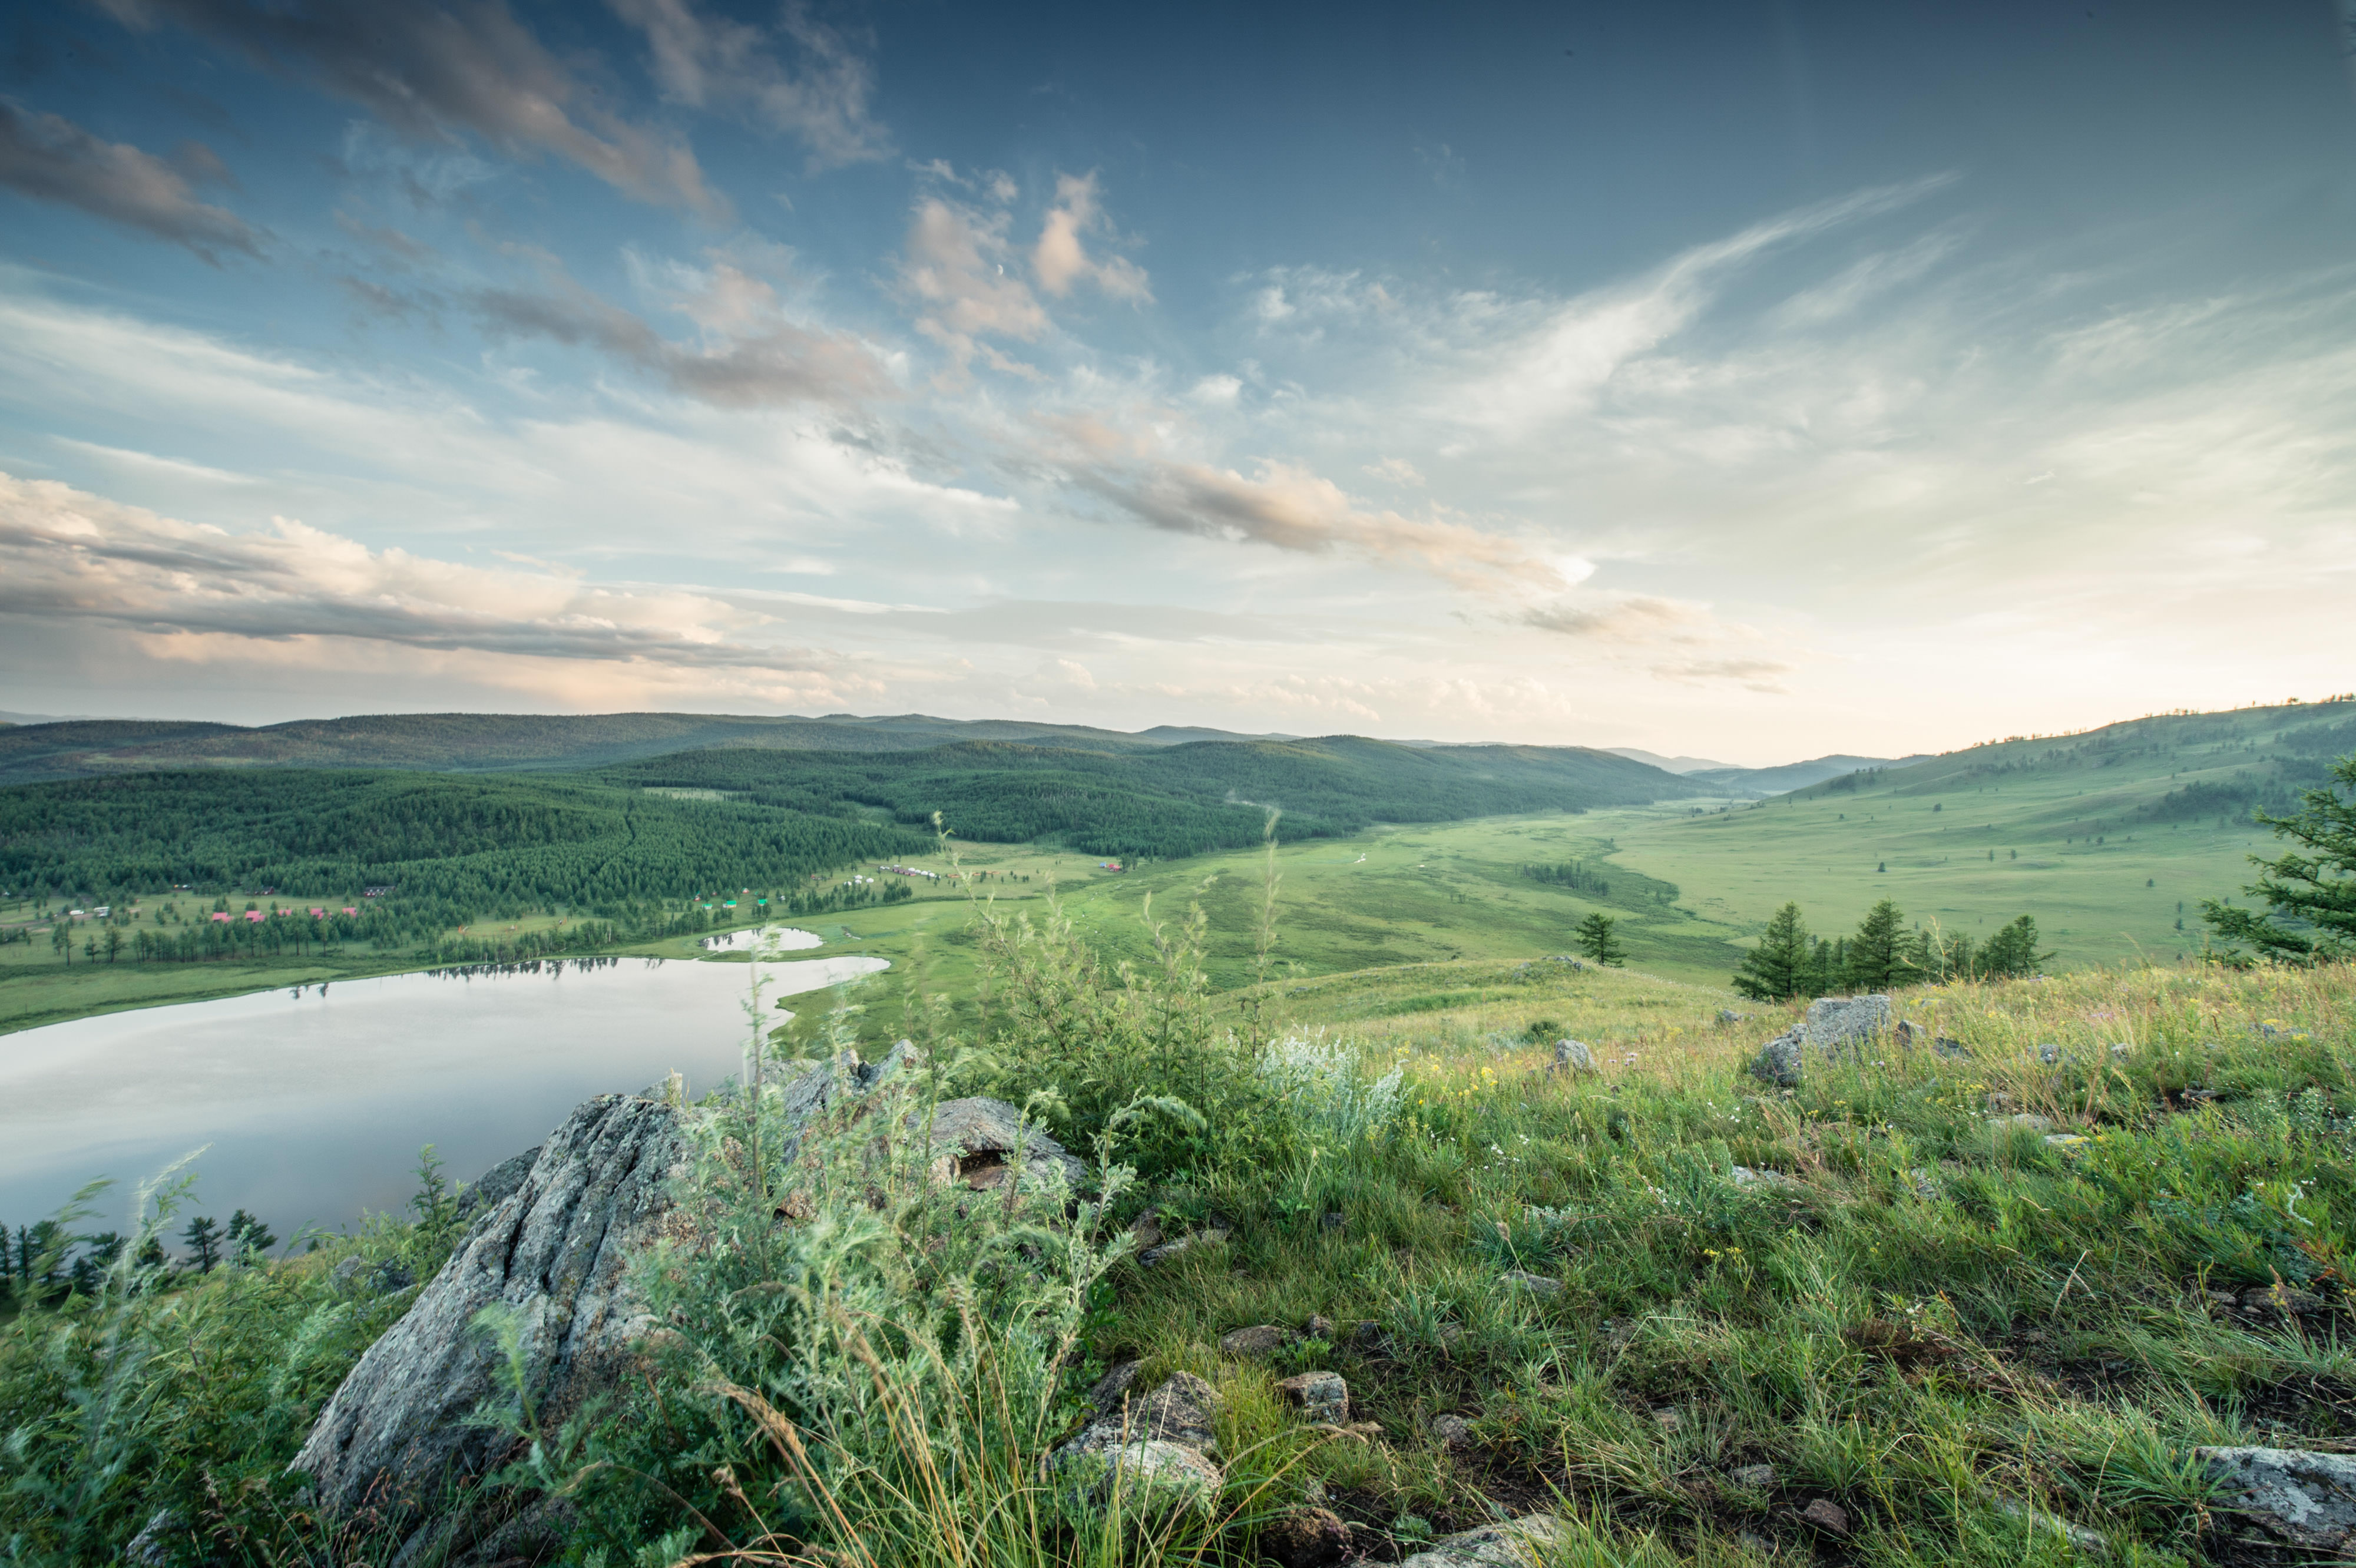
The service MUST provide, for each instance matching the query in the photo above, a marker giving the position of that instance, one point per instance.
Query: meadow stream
(314, 1101)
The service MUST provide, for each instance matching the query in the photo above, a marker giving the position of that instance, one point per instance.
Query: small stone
(2221, 1300)
(1827, 1516)
(2065, 1139)
(1148, 1231)
(2078, 1535)
(2049, 1054)
(1306, 1538)
(1758, 1545)
(1759, 1475)
(1319, 1327)
(1574, 1056)
(1949, 1047)
(2288, 1300)
(1778, 1061)
(1744, 1176)
(1669, 1420)
(1367, 1337)
(153, 1546)
(1153, 1256)
(1319, 1396)
(2023, 1122)
(1729, 1015)
(1334, 1221)
(1926, 1185)
(1452, 1430)
(1259, 1339)
(1538, 1286)
(1911, 1034)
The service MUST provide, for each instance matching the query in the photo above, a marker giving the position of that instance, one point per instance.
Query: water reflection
(314, 1099)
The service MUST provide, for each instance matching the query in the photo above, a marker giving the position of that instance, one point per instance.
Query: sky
(1743, 381)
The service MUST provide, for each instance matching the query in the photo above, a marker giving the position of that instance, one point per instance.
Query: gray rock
(2049, 1054)
(1744, 1176)
(1954, 1049)
(1153, 1476)
(1759, 1475)
(498, 1184)
(1827, 1516)
(1113, 1387)
(1318, 1396)
(157, 1541)
(1836, 1025)
(1452, 1430)
(1516, 1543)
(1259, 1339)
(2289, 1301)
(1778, 1061)
(974, 1140)
(1183, 1411)
(2024, 1121)
(1912, 1033)
(2305, 1499)
(1153, 1256)
(1318, 1327)
(554, 1252)
(1574, 1056)
(1539, 1286)
(2088, 1540)
(1729, 1015)
(1155, 1450)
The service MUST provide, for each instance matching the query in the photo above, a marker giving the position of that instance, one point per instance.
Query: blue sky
(1745, 380)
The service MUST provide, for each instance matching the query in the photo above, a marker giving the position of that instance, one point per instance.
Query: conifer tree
(1878, 956)
(1780, 967)
(2309, 892)
(1594, 939)
(204, 1239)
(2012, 951)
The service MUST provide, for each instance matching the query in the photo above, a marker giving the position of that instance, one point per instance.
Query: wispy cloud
(51, 158)
(821, 95)
(1060, 259)
(432, 74)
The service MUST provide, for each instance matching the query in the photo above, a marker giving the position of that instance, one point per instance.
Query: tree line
(1790, 962)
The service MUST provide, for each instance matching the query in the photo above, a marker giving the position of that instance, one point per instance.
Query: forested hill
(1172, 800)
(2160, 770)
(499, 742)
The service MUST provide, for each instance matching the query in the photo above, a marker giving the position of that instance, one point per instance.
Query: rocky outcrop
(974, 1140)
(553, 1254)
(499, 1183)
(1516, 1543)
(2302, 1499)
(1156, 1451)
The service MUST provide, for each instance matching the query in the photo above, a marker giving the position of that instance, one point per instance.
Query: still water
(314, 1101)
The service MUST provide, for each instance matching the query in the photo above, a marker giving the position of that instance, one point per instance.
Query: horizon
(1832, 381)
(1652, 757)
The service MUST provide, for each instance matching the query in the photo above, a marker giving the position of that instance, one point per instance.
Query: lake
(314, 1101)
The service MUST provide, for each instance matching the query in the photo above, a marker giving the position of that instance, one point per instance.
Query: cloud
(954, 266)
(752, 354)
(1059, 259)
(52, 159)
(1756, 674)
(432, 72)
(707, 61)
(66, 555)
(1616, 617)
(1292, 509)
(1396, 471)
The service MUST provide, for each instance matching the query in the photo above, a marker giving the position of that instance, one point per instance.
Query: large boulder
(2302, 1499)
(1778, 1061)
(1156, 1451)
(1838, 1023)
(554, 1254)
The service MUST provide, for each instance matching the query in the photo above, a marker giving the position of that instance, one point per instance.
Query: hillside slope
(2109, 838)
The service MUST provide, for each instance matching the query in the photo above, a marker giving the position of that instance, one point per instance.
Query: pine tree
(1878, 956)
(1779, 968)
(2012, 951)
(2310, 892)
(204, 1239)
(1594, 939)
(248, 1234)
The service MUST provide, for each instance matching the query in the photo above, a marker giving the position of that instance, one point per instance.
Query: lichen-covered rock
(1575, 1057)
(1516, 1543)
(1153, 1256)
(1259, 1339)
(1778, 1061)
(1538, 1286)
(1318, 1396)
(1155, 1451)
(2304, 1499)
(973, 1142)
(553, 1254)
(1183, 1409)
(499, 1183)
(1838, 1023)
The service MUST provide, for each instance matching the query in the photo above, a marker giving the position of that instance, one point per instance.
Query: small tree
(1878, 956)
(204, 1239)
(2310, 892)
(2012, 951)
(1594, 939)
(1778, 969)
(248, 1235)
(61, 939)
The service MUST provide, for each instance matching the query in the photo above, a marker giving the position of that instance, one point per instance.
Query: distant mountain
(504, 742)
(1792, 775)
(1671, 764)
